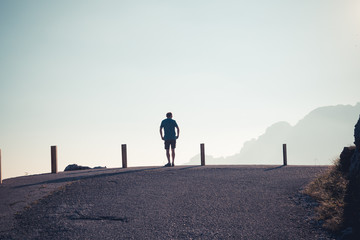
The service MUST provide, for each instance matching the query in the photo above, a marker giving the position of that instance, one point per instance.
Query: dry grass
(329, 191)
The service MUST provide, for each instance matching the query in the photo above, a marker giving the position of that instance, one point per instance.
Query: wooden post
(54, 164)
(0, 169)
(202, 154)
(124, 155)
(284, 154)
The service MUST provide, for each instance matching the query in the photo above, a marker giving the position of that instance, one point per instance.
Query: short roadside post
(284, 154)
(202, 154)
(54, 164)
(124, 155)
(0, 169)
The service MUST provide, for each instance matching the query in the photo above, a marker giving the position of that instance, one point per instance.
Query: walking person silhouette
(170, 137)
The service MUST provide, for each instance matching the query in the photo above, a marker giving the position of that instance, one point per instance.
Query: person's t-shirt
(169, 128)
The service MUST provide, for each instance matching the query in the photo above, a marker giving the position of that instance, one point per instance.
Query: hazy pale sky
(89, 76)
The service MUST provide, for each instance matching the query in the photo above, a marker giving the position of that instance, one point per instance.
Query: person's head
(169, 115)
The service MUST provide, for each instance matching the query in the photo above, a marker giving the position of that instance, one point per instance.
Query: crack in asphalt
(100, 218)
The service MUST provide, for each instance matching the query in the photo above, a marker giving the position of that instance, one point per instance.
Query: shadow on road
(274, 168)
(101, 175)
(71, 179)
(188, 167)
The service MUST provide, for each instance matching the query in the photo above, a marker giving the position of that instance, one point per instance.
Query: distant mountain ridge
(317, 139)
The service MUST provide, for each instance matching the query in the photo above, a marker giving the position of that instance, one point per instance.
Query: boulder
(352, 197)
(74, 167)
(345, 159)
(357, 134)
(99, 167)
(355, 160)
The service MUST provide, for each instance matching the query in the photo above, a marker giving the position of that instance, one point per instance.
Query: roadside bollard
(284, 155)
(202, 154)
(54, 159)
(124, 155)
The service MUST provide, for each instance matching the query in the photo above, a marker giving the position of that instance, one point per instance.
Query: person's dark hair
(169, 115)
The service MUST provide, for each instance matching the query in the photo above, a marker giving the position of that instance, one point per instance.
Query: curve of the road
(212, 202)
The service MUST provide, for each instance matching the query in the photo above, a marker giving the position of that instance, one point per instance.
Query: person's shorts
(169, 143)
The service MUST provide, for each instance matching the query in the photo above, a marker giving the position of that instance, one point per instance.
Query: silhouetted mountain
(316, 139)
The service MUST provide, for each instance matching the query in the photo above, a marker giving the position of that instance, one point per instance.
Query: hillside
(317, 139)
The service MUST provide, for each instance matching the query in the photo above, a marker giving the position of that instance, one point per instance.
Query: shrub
(329, 190)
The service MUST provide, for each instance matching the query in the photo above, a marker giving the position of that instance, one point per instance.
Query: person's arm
(161, 133)
(178, 132)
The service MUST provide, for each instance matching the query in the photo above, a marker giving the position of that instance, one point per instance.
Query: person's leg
(168, 155)
(167, 148)
(173, 155)
(173, 146)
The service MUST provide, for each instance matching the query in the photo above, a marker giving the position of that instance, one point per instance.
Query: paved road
(212, 202)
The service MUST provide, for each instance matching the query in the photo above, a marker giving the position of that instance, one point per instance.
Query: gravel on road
(184, 202)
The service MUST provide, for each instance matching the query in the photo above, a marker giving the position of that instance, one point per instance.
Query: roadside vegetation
(329, 191)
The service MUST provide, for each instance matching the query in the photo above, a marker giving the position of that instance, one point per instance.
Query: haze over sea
(91, 75)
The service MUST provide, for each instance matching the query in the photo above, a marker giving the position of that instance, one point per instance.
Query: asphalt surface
(212, 202)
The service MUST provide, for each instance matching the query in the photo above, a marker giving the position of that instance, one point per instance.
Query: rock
(357, 135)
(74, 167)
(98, 167)
(355, 165)
(355, 160)
(352, 197)
(345, 159)
(347, 234)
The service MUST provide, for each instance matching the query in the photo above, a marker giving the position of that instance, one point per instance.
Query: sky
(91, 75)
